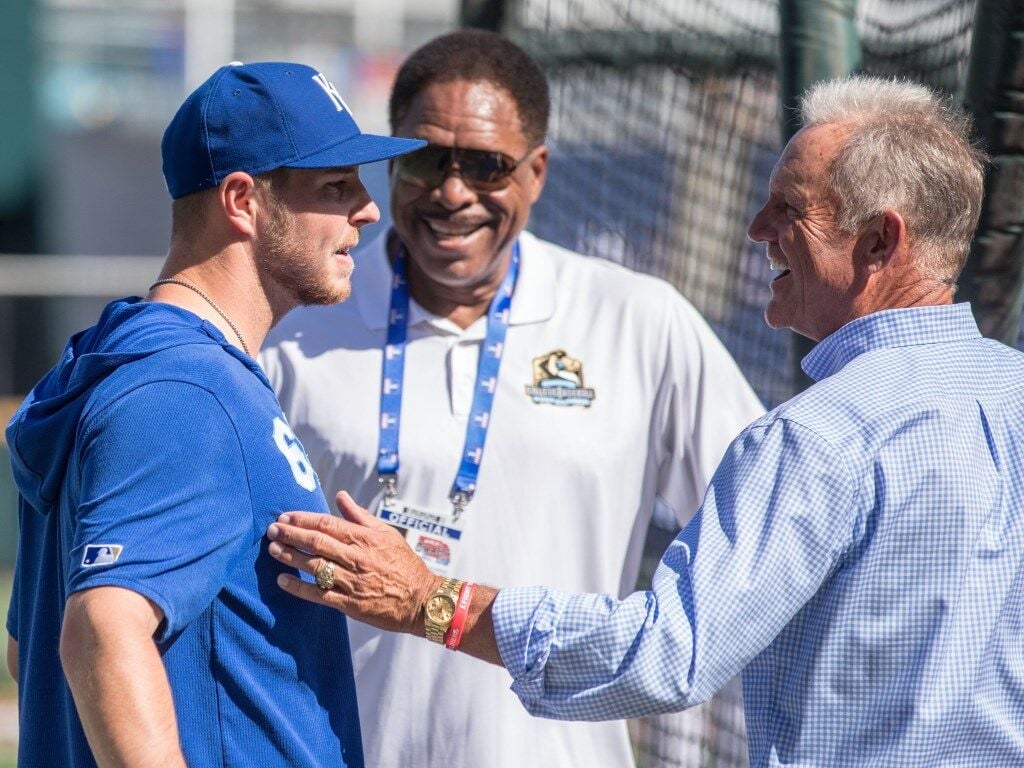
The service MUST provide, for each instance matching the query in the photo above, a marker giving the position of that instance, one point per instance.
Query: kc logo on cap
(332, 93)
(259, 117)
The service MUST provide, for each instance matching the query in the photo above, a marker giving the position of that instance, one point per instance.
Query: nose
(759, 229)
(453, 193)
(370, 214)
(364, 210)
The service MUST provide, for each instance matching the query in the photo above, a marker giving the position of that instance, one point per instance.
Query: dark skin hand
(378, 579)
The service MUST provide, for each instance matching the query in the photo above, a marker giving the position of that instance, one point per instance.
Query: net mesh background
(664, 131)
(665, 128)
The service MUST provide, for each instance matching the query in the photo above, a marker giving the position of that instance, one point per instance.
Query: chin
(323, 294)
(451, 263)
(457, 274)
(771, 317)
(341, 292)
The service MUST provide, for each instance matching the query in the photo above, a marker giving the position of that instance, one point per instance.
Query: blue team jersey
(153, 457)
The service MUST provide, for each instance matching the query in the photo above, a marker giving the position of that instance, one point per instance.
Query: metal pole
(993, 279)
(483, 14)
(817, 41)
(378, 25)
(209, 38)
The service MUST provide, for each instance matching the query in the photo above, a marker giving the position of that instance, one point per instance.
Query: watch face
(440, 609)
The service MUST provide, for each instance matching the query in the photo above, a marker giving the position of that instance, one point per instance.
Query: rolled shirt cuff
(525, 621)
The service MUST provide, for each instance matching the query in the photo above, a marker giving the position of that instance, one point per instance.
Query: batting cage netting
(665, 127)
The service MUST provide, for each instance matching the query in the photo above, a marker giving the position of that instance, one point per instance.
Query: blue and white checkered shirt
(858, 555)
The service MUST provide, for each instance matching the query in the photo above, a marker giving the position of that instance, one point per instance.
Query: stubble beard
(295, 266)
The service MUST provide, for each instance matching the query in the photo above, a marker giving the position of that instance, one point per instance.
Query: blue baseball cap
(258, 117)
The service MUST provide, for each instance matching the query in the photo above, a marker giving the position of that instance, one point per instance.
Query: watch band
(440, 609)
(453, 636)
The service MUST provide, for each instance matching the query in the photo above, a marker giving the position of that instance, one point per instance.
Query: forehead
(806, 159)
(466, 114)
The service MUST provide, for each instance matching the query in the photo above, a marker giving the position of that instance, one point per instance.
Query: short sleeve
(165, 508)
(704, 402)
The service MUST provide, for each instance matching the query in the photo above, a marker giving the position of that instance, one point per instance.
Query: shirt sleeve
(776, 521)
(703, 403)
(165, 508)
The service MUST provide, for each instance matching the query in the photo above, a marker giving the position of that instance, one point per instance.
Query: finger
(322, 540)
(314, 520)
(310, 592)
(296, 559)
(352, 511)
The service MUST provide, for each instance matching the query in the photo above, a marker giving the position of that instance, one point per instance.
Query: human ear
(881, 241)
(538, 165)
(238, 200)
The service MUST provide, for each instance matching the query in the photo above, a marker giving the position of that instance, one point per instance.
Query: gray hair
(910, 151)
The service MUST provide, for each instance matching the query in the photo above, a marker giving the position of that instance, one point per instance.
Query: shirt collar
(533, 302)
(907, 327)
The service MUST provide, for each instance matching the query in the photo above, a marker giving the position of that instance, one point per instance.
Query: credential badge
(558, 380)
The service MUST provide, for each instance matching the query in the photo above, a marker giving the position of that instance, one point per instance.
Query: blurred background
(668, 116)
(88, 87)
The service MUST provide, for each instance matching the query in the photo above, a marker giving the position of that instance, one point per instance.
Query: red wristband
(453, 636)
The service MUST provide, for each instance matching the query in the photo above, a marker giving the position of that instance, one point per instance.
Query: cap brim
(361, 149)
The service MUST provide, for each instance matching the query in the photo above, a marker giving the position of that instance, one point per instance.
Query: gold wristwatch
(440, 608)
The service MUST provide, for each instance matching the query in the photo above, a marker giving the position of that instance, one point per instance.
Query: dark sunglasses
(482, 171)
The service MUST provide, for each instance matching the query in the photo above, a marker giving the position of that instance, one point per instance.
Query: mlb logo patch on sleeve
(101, 554)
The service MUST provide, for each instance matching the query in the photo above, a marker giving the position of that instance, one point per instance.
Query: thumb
(352, 511)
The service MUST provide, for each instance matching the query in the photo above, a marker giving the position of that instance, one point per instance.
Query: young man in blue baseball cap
(153, 456)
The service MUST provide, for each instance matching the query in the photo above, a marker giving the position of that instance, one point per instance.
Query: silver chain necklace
(211, 302)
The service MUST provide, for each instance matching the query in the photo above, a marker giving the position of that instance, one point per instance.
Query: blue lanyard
(393, 373)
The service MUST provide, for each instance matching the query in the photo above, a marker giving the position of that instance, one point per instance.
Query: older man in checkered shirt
(859, 551)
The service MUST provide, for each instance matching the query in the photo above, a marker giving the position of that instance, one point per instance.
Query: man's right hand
(379, 580)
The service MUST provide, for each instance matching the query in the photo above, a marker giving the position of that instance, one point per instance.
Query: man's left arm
(157, 529)
(118, 680)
